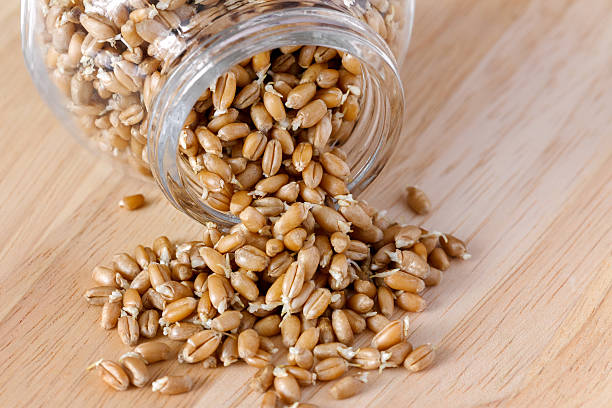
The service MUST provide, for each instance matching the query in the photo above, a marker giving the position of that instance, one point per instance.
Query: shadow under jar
(126, 77)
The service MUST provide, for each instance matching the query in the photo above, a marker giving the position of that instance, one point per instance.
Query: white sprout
(257, 193)
(280, 372)
(261, 75)
(115, 296)
(132, 311)
(159, 384)
(436, 234)
(270, 88)
(337, 275)
(395, 256)
(296, 123)
(405, 325)
(129, 354)
(345, 200)
(183, 247)
(385, 274)
(344, 226)
(354, 90)
(286, 306)
(256, 307)
(348, 353)
(342, 100)
(94, 364)
(284, 123)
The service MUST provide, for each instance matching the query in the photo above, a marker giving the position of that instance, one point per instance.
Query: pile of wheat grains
(286, 293)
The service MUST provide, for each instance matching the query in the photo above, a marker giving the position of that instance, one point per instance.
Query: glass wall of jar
(124, 75)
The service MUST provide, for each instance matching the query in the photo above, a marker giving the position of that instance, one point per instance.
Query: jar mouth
(382, 96)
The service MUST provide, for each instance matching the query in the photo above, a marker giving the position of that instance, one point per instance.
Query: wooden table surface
(509, 130)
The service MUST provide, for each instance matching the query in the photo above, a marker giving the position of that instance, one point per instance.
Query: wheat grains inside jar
(182, 89)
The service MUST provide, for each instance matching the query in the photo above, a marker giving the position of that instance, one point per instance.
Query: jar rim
(216, 54)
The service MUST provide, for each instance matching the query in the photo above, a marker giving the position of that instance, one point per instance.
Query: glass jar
(123, 75)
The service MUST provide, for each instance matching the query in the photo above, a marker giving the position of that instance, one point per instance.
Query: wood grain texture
(507, 129)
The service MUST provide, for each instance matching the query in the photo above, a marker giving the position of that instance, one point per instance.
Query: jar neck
(371, 142)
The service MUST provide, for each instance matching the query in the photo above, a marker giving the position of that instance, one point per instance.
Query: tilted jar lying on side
(123, 75)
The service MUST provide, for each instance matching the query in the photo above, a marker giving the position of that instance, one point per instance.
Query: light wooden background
(509, 130)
